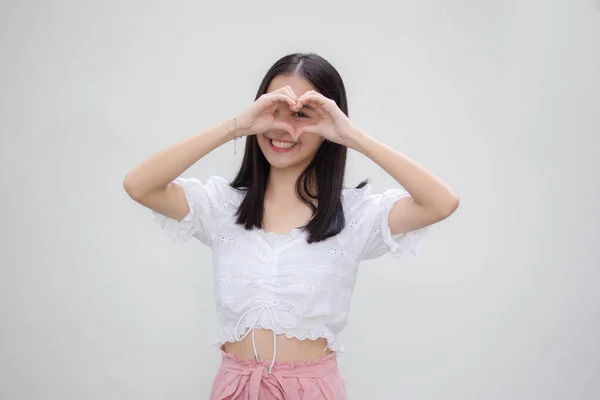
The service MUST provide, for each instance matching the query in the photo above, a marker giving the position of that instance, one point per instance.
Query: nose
(284, 114)
(283, 135)
(285, 124)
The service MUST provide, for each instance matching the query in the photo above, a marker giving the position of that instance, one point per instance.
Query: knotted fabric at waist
(281, 380)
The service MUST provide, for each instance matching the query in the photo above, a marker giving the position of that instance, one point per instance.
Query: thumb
(306, 129)
(284, 126)
(297, 133)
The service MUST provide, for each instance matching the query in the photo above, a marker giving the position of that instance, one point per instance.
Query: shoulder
(354, 197)
(363, 199)
(215, 188)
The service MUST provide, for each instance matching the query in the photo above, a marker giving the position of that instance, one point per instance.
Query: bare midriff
(288, 349)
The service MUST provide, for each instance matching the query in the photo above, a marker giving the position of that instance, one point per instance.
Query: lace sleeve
(368, 216)
(206, 202)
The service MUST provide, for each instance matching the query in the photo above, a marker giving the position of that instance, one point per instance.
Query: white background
(499, 98)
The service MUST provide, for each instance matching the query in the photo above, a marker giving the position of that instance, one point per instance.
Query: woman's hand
(261, 115)
(332, 124)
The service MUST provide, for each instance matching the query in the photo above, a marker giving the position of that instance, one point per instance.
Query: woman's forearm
(156, 172)
(425, 188)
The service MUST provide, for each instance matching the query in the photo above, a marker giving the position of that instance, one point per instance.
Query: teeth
(282, 145)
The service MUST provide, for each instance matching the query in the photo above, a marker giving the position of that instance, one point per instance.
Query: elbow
(131, 187)
(443, 209)
(450, 206)
(455, 203)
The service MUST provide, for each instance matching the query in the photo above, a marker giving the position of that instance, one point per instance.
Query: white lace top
(280, 282)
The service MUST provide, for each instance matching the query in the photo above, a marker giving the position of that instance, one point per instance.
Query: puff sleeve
(210, 202)
(368, 215)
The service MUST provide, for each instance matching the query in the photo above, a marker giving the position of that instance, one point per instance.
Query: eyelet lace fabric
(280, 282)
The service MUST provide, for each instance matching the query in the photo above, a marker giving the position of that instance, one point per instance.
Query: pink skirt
(248, 380)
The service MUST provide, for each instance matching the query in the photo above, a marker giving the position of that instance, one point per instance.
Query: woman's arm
(431, 199)
(150, 182)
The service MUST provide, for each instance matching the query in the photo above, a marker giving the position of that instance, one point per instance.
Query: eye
(301, 115)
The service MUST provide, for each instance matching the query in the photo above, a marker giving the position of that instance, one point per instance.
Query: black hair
(324, 174)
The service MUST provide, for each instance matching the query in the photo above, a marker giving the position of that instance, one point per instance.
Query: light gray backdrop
(499, 98)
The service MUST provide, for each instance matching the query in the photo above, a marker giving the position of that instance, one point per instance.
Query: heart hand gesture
(261, 116)
(332, 123)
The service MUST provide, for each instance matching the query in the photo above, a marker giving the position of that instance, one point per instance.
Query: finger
(288, 90)
(313, 97)
(320, 101)
(273, 98)
(297, 134)
(311, 93)
(306, 129)
(286, 127)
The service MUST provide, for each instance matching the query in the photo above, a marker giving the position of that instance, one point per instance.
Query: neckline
(293, 232)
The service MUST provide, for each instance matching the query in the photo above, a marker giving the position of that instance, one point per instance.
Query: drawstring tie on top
(271, 310)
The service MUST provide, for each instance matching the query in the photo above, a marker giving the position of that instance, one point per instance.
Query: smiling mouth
(281, 145)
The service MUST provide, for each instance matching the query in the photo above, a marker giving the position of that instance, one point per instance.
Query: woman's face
(278, 146)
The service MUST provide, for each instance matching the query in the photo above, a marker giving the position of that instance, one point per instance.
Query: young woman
(286, 236)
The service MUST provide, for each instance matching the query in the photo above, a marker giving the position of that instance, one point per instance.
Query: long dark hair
(325, 173)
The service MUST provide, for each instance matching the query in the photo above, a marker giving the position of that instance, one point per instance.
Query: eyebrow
(310, 108)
